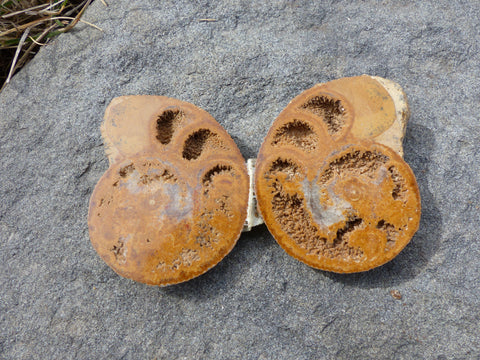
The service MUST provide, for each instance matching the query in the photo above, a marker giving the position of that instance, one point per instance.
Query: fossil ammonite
(330, 191)
(173, 202)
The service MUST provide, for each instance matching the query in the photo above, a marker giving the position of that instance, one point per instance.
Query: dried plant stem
(24, 26)
(77, 18)
(23, 11)
(19, 47)
(71, 18)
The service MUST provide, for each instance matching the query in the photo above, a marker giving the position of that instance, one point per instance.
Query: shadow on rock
(419, 145)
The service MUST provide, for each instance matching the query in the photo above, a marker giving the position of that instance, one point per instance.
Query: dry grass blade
(53, 6)
(12, 69)
(29, 10)
(77, 18)
(25, 23)
(26, 54)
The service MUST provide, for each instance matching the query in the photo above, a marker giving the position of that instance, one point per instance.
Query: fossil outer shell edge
(168, 211)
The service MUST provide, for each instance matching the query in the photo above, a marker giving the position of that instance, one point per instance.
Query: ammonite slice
(352, 211)
(174, 200)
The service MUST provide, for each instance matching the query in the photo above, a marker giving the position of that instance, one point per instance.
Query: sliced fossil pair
(330, 180)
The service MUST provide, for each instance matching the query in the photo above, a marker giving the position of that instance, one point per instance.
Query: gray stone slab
(59, 300)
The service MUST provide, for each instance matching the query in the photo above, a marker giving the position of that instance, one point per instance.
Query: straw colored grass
(26, 25)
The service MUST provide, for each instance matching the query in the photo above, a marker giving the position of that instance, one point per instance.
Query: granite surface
(59, 300)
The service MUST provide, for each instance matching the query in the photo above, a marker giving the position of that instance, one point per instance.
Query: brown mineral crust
(173, 202)
(350, 212)
(333, 111)
(298, 132)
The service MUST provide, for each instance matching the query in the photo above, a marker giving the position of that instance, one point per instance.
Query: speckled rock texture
(58, 299)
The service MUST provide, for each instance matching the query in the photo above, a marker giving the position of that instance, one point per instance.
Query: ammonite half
(331, 195)
(173, 202)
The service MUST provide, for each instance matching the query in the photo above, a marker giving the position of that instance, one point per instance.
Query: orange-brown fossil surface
(330, 180)
(173, 202)
(378, 106)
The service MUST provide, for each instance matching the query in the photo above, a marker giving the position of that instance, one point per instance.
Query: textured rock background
(59, 300)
